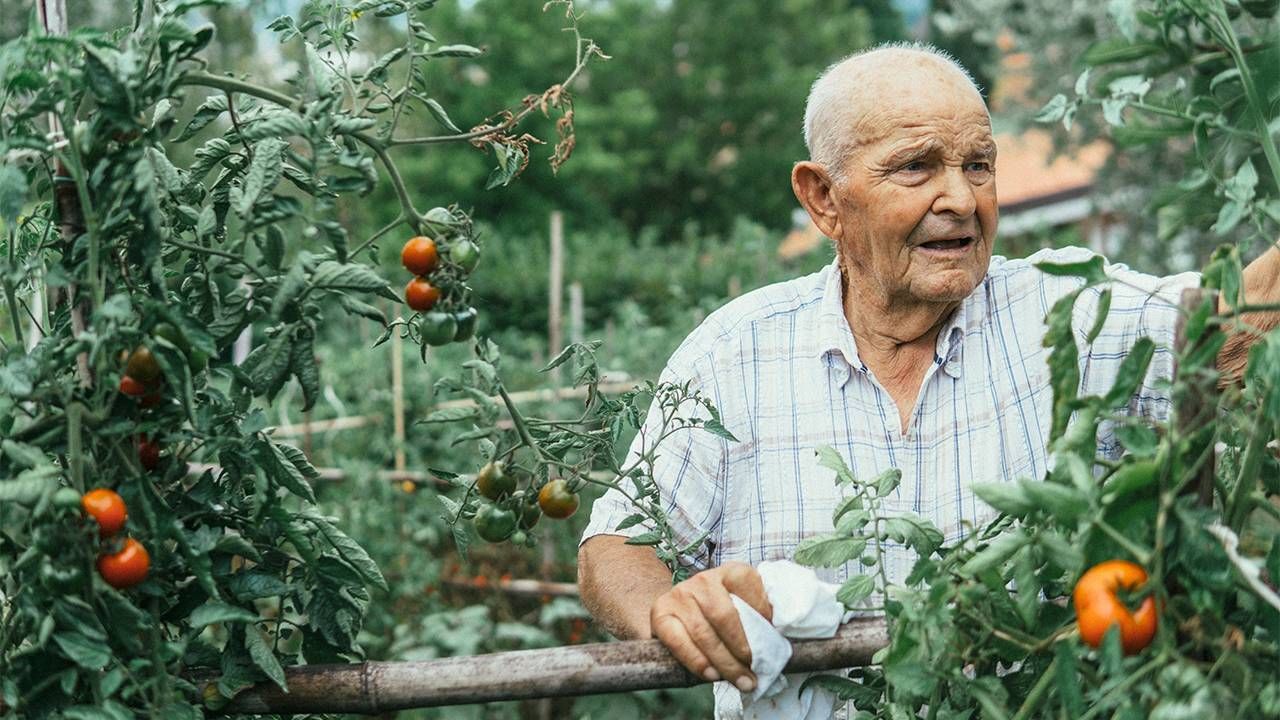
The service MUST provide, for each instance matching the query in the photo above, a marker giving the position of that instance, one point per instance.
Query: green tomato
(466, 324)
(530, 516)
(465, 254)
(494, 524)
(438, 328)
(196, 359)
(66, 499)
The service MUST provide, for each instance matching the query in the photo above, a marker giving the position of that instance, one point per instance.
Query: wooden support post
(397, 398)
(555, 339)
(575, 312)
(378, 687)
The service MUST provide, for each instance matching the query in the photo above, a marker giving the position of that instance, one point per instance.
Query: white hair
(828, 112)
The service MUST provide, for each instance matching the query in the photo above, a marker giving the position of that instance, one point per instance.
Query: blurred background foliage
(676, 198)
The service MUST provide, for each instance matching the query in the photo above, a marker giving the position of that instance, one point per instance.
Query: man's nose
(955, 194)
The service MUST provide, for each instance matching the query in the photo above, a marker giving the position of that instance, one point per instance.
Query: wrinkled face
(918, 205)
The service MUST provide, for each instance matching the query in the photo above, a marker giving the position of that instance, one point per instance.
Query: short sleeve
(689, 471)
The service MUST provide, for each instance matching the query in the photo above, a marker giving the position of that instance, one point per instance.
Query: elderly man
(915, 349)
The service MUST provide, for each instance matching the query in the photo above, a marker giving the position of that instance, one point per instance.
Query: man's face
(918, 206)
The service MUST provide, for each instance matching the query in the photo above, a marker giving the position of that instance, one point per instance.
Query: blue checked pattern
(781, 366)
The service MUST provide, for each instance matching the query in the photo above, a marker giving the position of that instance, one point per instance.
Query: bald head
(847, 99)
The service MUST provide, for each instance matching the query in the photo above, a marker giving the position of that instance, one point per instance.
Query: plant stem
(1238, 504)
(1257, 103)
(1141, 554)
(1038, 692)
(385, 229)
(218, 253)
(1123, 687)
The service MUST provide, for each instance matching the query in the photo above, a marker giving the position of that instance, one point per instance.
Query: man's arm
(628, 590)
(1261, 287)
(619, 583)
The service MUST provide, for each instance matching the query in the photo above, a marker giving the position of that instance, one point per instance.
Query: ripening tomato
(127, 567)
(419, 255)
(132, 387)
(143, 367)
(556, 501)
(493, 481)
(421, 295)
(107, 507)
(1098, 606)
(148, 453)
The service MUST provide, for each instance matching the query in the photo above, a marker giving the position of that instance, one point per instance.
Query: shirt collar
(835, 338)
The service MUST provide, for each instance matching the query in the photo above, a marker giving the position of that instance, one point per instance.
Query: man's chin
(948, 284)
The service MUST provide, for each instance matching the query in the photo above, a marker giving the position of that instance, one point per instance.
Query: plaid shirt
(781, 366)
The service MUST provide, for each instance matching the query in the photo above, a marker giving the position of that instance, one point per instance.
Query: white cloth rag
(804, 607)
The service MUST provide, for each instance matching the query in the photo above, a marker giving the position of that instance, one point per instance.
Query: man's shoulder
(779, 302)
(1003, 269)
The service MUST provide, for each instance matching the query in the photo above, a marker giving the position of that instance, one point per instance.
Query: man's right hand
(699, 624)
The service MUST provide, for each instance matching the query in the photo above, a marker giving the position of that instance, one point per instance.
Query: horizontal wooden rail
(546, 395)
(592, 669)
(322, 426)
(516, 586)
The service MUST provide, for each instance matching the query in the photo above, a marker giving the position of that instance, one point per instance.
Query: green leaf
(264, 173)
(465, 51)
(1067, 679)
(331, 275)
(1118, 50)
(917, 532)
(1008, 498)
(442, 117)
(853, 502)
(714, 427)
(855, 590)
(995, 553)
(450, 414)
(302, 362)
(829, 550)
(254, 584)
(653, 537)
(631, 521)
(887, 481)
(1064, 503)
(86, 652)
(1090, 270)
(263, 657)
(348, 549)
(25, 455)
(13, 193)
(832, 460)
(283, 471)
(1130, 374)
(1053, 110)
(215, 612)
(209, 110)
(1104, 307)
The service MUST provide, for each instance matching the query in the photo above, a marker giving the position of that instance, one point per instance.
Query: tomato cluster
(511, 512)
(144, 379)
(435, 290)
(129, 564)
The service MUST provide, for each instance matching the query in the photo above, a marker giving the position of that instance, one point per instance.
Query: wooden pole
(555, 339)
(397, 398)
(378, 687)
(575, 312)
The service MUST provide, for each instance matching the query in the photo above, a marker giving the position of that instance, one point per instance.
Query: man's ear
(813, 188)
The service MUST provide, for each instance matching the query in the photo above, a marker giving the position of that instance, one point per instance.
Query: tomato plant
(155, 210)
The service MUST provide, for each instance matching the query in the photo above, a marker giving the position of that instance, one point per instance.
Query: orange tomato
(131, 387)
(556, 501)
(127, 567)
(1098, 606)
(107, 507)
(419, 255)
(420, 294)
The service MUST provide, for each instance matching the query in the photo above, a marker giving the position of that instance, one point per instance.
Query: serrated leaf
(332, 275)
(630, 521)
(263, 657)
(653, 537)
(442, 117)
(1008, 498)
(832, 460)
(209, 110)
(995, 553)
(917, 532)
(450, 414)
(215, 612)
(264, 172)
(1131, 372)
(348, 549)
(855, 590)
(830, 550)
(86, 652)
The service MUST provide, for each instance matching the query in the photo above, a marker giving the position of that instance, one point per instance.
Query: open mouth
(950, 244)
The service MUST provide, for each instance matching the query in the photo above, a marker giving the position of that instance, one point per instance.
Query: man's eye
(914, 166)
(980, 167)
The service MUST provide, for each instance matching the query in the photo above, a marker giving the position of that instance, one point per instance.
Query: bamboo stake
(378, 687)
(517, 586)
